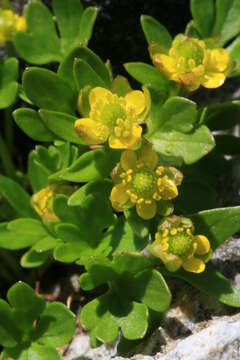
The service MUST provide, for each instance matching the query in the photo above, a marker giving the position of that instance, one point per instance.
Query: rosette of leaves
(30, 329)
(134, 289)
(41, 44)
(28, 230)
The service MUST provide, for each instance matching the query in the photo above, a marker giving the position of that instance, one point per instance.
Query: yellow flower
(139, 181)
(43, 200)
(176, 245)
(114, 118)
(10, 23)
(192, 62)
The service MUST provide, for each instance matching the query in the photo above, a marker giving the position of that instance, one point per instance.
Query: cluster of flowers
(139, 180)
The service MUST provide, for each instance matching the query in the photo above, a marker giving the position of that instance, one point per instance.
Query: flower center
(111, 112)
(188, 53)
(179, 244)
(143, 182)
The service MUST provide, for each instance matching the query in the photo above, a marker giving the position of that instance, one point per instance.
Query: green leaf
(45, 244)
(27, 305)
(32, 259)
(40, 43)
(147, 75)
(121, 86)
(68, 14)
(156, 32)
(17, 197)
(86, 25)
(31, 123)
(133, 287)
(221, 116)
(190, 147)
(64, 211)
(234, 51)
(82, 242)
(8, 82)
(124, 238)
(56, 325)
(150, 288)
(203, 12)
(135, 324)
(9, 334)
(85, 75)
(139, 226)
(92, 187)
(39, 352)
(93, 165)
(227, 20)
(212, 283)
(217, 224)
(21, 233)
(65, 70)
(48, 91)
(177, 113)
(61, 125)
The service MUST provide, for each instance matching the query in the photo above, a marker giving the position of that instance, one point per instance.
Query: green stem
(6, 159)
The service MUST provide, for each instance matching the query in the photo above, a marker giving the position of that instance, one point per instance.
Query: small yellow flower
(139, 181)
(192, 62)
(10, 23)
(114, 118)
(176, 245)
(43, 200)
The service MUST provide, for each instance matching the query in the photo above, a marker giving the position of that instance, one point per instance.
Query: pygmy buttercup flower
(192, 62)
(43, 200)
(10, 23)
(176, 245)
(140, 182)
(114, 118)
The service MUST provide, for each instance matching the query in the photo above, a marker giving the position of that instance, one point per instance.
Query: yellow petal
(128, 159)
(119, 197)
(168, 190)
(164, 63)
(91, 132)
(148, 156)
(21, 24)
(131, 142)
(219, 59)
(203, 245)
(213, 80)
(193, 265)
(147, 211)
(99, 93)
(171, 262)
(136, 100)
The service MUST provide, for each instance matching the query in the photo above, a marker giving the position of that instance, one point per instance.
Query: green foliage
(41, 43)
(8, 82)
(217, 224)
(174, 131)
(55, 325)
(62, 207)
(133, 287)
